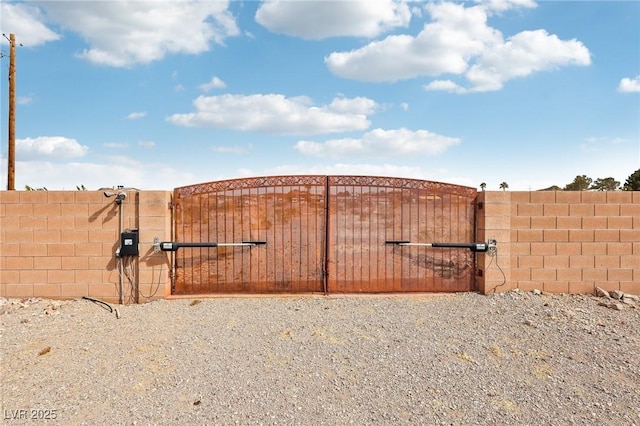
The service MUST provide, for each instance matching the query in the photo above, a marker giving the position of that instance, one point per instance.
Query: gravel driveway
(511, 359)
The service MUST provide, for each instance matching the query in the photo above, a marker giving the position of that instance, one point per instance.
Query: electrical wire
(127, 270)
(493, 254)
(121, 276)
(154, 292)
(132, 279)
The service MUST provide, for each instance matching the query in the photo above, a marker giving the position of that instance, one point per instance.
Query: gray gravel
(517, 358)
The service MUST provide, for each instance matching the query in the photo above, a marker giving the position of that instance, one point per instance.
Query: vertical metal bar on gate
(325, 244)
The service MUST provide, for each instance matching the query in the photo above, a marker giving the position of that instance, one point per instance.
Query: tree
(504, 186)
(580, 183)
(633, 182)
(606, 184)
(552, 188)
(483, 186)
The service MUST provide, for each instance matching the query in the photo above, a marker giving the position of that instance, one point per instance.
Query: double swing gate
(325, 234)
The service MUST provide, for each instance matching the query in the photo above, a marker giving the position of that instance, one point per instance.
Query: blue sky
(161, 94)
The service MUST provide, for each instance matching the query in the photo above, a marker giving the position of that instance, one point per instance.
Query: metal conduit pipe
(120, 265)
(120, 197)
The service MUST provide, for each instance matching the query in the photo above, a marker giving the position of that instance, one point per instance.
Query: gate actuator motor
(474, 247)
(174, 246)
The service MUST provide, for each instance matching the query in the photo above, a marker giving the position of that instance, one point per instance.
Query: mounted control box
(129, 243)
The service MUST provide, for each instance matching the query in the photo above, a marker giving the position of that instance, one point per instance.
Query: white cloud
(629, 85)
(595, 144)
(49, 147)
(123, 33)
(443, 46)
(353, 169)
(215, 83)
(416, 11)
(147, 144)
(277, 114)
(115, 145)
(504, 5)
(357, 105)
(123, 171)
(236, 149)
(179, 88)
(404, 106)
(317, 20)
(523, 54)
(446, 85)
(26, 22)
(380, 143)
(459, 41)
(136, 115)
(24, 100)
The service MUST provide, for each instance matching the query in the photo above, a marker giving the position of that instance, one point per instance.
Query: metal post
(121, 261)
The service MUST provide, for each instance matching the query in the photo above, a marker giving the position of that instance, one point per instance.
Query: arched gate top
(317, 180)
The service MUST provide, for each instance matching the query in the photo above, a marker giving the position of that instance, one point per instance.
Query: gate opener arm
(174, 246)
(474, 247)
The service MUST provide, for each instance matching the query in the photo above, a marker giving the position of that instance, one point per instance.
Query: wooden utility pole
(11, 151)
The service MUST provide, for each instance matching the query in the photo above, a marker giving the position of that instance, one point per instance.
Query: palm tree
(504, 186)
(483, 186)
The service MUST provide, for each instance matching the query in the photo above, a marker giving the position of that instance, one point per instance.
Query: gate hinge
(172, 280)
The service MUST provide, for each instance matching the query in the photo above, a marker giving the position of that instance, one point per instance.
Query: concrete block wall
(154, 220)
(493, 221)
(62, 244)
(561, 241)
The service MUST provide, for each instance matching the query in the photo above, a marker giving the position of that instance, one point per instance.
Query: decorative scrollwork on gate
(402, 183)
(255, 182)
(458, 265)
(317, 180)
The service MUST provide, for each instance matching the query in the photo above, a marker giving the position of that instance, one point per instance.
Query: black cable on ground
(99, 302)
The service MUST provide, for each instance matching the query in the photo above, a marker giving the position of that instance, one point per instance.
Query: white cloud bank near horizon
(381, 144)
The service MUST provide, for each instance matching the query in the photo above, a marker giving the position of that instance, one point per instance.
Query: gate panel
(364, 212)
(287, 212)
(313, 224)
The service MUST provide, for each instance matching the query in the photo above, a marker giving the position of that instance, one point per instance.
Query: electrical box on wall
(129, 243)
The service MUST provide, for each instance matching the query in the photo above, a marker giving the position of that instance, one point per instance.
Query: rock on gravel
(511, 359)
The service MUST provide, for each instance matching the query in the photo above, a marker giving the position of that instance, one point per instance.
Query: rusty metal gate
(322, 234)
